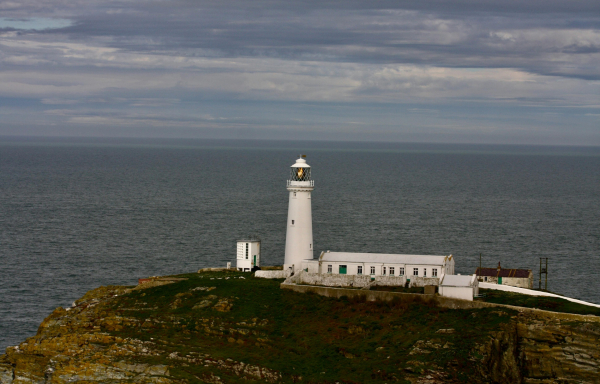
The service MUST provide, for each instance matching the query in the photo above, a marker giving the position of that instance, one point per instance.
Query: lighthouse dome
(300, 163)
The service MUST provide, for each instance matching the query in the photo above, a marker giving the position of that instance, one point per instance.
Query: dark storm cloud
(533, 36)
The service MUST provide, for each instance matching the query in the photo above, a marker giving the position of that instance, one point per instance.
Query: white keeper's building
(416, 269)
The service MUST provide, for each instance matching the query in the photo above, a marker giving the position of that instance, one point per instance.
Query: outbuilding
(248, 254)
(459, 287)
(522, 278)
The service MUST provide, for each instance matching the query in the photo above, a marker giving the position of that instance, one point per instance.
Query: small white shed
(248, 254)
(459, 287)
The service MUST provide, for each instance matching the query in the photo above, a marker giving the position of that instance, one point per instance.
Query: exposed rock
(6, 373)
(207, 289)
(356, 330)
(224, 305)
(560, 350)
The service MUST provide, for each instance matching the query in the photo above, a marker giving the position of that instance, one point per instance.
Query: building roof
(383, 258)
(300, 163)
(249, 240)
(504, 272)
(457, 281)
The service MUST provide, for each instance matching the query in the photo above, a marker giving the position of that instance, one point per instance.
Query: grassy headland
(236, 316)
(228, 327)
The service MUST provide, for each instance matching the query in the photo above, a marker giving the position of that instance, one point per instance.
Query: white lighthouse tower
(299, 238)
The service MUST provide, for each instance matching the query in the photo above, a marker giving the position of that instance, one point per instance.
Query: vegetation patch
(230, 327)
(236, 318)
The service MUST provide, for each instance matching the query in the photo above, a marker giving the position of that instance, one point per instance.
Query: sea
(78, 213)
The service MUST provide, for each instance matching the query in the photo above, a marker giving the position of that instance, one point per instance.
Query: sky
(462, 71)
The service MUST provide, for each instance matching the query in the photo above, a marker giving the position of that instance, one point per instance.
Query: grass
(305, 335)
(541, 302)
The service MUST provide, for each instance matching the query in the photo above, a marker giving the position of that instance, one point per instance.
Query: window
(329, 268)
(310, 246)
(424, 272)
(485, 278)
(246, 257)
(434, 272)
(359, 270)
(392, 271)
(300, 174)
(415, 271)
(292, 222)
(383, 271)
(401, 271)
(372, 270)
(247, 250)
(294, 194)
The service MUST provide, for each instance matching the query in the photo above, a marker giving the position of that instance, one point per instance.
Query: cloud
(556, 38)
(35, 23)
(157, 62)
(58, 101)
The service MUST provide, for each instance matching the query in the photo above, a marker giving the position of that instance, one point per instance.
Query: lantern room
(300, 173)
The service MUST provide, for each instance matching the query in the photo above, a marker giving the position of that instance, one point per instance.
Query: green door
(343, 269)
(254, 261)
(500, 280)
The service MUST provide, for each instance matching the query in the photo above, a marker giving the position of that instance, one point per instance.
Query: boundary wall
(271, 274)
(348, 281)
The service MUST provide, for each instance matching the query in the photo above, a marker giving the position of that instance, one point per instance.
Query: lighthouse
(299, 238)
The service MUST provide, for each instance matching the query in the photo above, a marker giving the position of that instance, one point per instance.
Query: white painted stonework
(419, 270)
(248, 254)
(272, 274)
(345, 281)
(459, 287)
(299, 236)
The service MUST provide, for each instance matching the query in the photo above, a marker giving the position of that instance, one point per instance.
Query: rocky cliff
(227, 327)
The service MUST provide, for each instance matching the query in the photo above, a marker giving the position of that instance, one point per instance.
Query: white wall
(521, 282)
(423, 281)
(464, 293)
(352, 269)
(245, 260)
(271, 274)
(311, 266)
(337, 280)
(299, 238)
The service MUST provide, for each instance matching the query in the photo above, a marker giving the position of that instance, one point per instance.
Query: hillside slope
(228, 327)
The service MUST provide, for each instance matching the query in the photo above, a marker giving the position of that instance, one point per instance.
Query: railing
(309, 183)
